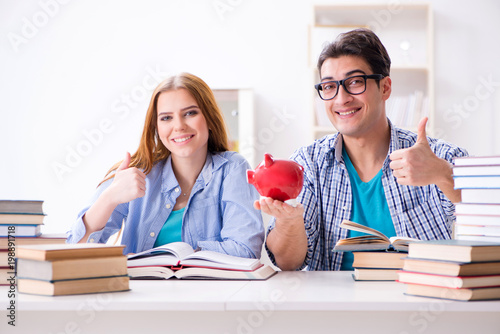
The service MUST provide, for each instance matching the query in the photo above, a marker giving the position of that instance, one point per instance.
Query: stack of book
(179, 260)
(376, 256)
(20, 223)
(377, 266)
(452, 269)
(65, 269)
(21, 218)
(478, 214)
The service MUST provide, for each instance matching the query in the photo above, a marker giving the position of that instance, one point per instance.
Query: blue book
(13, 230)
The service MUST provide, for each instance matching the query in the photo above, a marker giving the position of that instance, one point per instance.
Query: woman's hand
(128, 183)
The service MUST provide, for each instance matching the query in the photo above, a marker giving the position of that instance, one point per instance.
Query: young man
(370, 172)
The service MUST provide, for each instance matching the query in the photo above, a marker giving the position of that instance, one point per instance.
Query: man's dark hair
(362, 43)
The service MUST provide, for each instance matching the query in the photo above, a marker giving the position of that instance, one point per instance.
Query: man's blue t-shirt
(369, 207)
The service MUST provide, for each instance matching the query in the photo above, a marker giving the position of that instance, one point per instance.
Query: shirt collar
(326, 147)
(212, 164)
(335, 143)
(169, 181)
(394, 144)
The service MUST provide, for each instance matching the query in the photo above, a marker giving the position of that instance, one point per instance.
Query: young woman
(182, 184)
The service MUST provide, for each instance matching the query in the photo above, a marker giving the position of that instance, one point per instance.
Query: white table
(289, 302)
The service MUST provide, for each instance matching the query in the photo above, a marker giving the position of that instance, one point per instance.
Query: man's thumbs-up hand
(128, 184)
(421, 133)
(417, 165)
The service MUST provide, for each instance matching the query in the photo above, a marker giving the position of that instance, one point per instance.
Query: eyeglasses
(354, 85)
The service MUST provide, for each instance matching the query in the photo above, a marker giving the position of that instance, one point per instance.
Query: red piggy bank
(277, 179)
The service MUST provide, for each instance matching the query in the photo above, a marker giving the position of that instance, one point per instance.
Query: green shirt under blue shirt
(369, 206)
(171, 230)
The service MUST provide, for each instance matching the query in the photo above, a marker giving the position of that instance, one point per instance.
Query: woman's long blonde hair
(151, 149)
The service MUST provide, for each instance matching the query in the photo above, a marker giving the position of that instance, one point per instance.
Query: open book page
(375, 240)
(365, 242)
(154, 260)
(151, 272)
(218, 260)
(182, 254)
(178, 249)
(364, 239)
(261, 273)
(364, 229)
(402, 240)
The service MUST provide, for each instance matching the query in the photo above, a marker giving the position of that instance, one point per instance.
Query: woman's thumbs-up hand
(129, 183)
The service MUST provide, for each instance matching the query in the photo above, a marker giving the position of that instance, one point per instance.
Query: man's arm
(288, 240)
(419, 166)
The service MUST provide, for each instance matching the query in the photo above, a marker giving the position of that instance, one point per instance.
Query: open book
(178, 259)
(375, 240)
(159, 272)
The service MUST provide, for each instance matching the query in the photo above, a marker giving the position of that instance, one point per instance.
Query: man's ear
(386, 87)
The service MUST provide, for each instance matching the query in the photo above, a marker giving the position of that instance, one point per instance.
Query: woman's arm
(128, 184)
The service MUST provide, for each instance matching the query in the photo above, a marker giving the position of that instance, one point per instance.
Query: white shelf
(237, 106)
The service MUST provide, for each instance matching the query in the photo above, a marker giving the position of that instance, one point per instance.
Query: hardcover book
(159, 272)
(73, 286)
(44, 238)
(452, 293)
(373, 274)
(449, 281)
(20, 230)
(375, 240)
(480, 220)
(386, 260)
(177, 254)
(476, 170)
(480, 238)
(477, 209)
(477, 160)
(477, 182)
(485, 230)
(51, 252)
(21, 219)
(451, 268)
(483, 196)
(21, 206)
(72, 268)
(455, 250)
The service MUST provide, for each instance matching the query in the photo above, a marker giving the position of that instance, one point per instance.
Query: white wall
(76, 77)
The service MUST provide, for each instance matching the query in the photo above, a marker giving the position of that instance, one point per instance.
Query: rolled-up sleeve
(77, 231)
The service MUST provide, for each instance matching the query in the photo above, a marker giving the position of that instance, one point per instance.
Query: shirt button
(152, 234)
(92, 240)
(344, 208)
(168, 206)
(176, 190)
